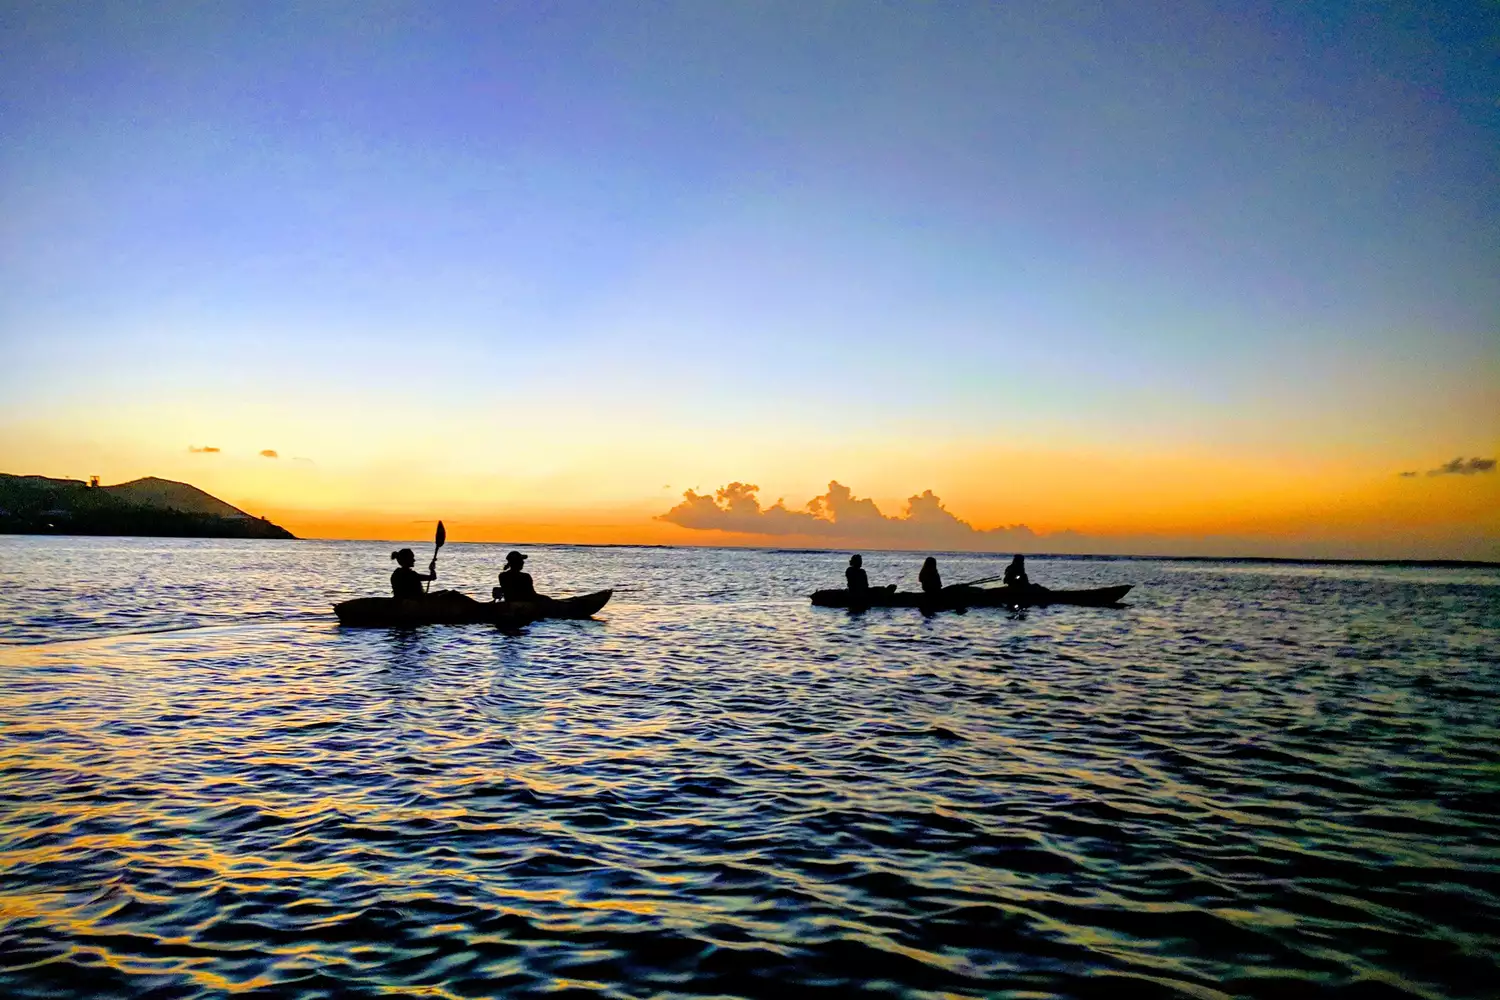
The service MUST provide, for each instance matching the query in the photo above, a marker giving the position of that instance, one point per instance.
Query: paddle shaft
(975, 583)
(437, 543)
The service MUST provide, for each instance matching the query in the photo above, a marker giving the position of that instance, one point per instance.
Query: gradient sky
(1177, 276)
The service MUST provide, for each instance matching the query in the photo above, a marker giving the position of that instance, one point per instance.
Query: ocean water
(1253, 780)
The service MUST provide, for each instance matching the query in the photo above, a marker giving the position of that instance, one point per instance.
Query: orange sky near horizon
(1437, 519)
(1191, 502)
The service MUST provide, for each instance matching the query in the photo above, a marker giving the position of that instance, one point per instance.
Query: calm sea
(1254, 780)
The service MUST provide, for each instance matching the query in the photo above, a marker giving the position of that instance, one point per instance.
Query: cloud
(839, 514)
(301, 458)
(1458, 467)
(1406, 475)
(205, 450)
(269, 453)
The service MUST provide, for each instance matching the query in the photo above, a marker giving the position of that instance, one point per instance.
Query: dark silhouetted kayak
(582, 606)
(971, 597)
(391, 612)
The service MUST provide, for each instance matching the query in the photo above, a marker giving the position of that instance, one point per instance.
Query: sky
(1141, 277)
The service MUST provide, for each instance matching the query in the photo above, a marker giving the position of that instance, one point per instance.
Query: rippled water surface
(1269, 781)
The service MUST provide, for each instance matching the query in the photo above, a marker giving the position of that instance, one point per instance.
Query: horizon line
(1414, 562)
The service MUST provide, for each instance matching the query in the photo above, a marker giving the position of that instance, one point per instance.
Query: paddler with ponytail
(407, 582)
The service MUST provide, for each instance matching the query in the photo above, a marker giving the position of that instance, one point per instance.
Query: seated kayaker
(407, 582)
(515, 585)
(1015, 573)
(858, 580)
(928, 577)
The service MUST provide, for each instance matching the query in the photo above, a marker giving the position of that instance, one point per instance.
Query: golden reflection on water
(1224, 781)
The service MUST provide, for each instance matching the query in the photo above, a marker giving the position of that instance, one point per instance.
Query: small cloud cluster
(838, 514)
(265, 453)
(1457, 467)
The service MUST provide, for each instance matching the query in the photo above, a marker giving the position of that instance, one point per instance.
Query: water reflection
(1241, 784)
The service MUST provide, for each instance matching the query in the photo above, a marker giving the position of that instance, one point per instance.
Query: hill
(164, 494)
(37, 505)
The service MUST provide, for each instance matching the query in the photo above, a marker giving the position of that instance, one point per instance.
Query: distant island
(37, 505)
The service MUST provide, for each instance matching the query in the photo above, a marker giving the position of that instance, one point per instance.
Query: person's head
(929, 563)
(404, 557)
(1019, 560)
(856, 561)
(514, 560)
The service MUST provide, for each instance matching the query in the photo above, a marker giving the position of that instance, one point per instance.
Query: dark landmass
(37, 505)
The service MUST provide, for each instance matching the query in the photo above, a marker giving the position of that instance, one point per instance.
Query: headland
(38, 505)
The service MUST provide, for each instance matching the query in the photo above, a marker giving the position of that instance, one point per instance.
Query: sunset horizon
(735, 516)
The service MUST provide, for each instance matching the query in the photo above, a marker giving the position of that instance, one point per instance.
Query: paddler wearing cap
(515, 584)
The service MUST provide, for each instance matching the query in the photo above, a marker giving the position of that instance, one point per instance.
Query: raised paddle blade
(437, 543)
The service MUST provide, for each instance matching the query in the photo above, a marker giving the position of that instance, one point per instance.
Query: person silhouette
(515, 584)
(1015, 573)
(858, 579)
(928, 577)
(406, 583)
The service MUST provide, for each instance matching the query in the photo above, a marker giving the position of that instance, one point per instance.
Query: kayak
(971, 597)
(457, 609)
(582, 606)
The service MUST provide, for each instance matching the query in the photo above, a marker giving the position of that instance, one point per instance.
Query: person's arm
(431, 573)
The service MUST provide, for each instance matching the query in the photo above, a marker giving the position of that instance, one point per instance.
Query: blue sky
(1087, 227)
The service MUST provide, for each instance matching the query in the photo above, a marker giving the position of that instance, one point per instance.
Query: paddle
(438, 540)
(975, 583)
